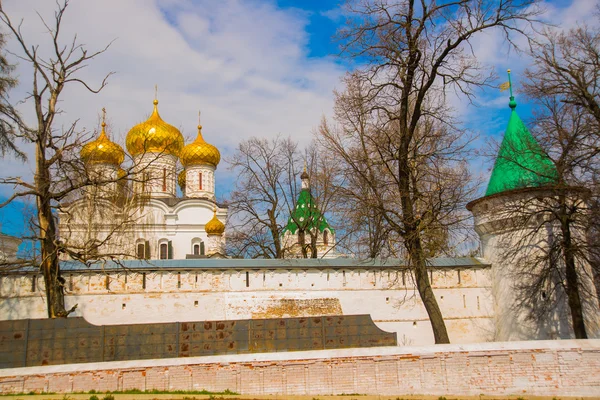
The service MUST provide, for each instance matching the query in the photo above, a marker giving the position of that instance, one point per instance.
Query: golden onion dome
(199, 152)
(154, 136)
(181, 180)
(214, 226)
(102, 150)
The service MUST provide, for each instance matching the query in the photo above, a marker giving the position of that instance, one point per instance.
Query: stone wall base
(544, 368)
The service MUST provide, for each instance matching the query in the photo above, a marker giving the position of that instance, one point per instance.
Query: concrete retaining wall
(549, 368)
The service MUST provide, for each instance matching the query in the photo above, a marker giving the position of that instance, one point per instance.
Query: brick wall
(549, 368)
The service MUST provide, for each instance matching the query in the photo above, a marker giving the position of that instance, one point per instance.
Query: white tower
(200, 160)
(214, 230)
(516, 233)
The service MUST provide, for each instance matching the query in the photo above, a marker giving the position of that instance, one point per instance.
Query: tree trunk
(419, 265)
(47, 230)
(275, 233)
(302, 242)
(572, 286)
(313, 243)
(417, 261)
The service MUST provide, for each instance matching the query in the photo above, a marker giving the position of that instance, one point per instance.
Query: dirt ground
(119, 396)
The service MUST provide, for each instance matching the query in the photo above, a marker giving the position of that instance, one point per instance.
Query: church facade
(138, 213)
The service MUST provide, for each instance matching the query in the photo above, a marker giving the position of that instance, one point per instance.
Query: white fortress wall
(156, 294)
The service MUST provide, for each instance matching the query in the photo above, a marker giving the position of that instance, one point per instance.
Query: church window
(197, 247)
(145, 180)
(200, 181)
(141, 251)
(164, 179)
(143, 280)
(33, 281)
(163, 251)
(107, 282)
(247, 279)
(326, 237)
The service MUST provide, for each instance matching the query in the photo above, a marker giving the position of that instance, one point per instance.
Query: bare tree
(555, 260)
(565, 78)
(415, 52)
(259, 200)
(367, 144)
(9, 118)
(264, 207)
(567, 65)
(59, 171)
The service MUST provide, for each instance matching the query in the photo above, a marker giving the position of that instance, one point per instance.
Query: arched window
(145, 179)
(197, 247)
(200, 181)
(326, 237)
(142, 249)
(164, 251)
(164, 179)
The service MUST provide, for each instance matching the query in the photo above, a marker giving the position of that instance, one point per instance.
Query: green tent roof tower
(521, 161)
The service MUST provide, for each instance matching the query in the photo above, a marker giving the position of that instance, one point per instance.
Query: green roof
(306, 214)
(521, 161)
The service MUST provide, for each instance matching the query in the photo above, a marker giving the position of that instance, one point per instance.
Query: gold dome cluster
(199, 152)
(155, 136)
(102, 151)
(214, 226)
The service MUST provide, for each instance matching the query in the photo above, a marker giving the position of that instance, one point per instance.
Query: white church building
(142, 216)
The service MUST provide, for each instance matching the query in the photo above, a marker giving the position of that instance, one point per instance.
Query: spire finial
(512, 103)
(156, 94)
(304, 177)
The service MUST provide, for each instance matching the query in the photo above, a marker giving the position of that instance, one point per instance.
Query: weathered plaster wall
(387, 295)
(545, 368)
(499, 223)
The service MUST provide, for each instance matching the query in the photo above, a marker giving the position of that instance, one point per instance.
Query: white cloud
(244, 64)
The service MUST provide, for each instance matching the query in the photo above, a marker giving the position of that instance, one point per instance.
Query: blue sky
(254, 68)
